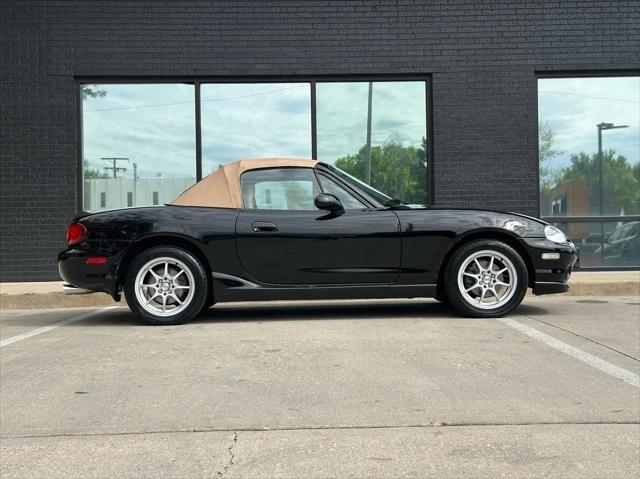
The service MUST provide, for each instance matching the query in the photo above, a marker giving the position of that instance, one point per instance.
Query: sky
(572, 107)
(253, 121)
(398, 114)
(154, 124)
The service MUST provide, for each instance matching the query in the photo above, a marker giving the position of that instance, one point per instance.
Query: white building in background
(110, 193)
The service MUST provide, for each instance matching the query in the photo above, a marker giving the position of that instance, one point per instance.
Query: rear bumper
(68, 289)
(551, 275)
(82, 277)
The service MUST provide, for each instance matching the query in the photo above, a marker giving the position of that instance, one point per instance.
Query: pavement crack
(231, 455)
(581, 336)
(439, 424)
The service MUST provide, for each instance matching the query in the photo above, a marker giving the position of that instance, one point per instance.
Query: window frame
(198, 80)
(568, 74)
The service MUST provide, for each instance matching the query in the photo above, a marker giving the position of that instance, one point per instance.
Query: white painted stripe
(57, 324)
(591, 360)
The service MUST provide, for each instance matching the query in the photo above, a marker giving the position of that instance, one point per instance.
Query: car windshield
(377, 195)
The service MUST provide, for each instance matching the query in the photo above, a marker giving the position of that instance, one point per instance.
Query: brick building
(85, 81)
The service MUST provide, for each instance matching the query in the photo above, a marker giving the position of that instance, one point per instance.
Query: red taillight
(97, 260)
(76, 233)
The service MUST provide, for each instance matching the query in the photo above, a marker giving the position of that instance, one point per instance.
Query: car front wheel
(486, 278)
(166, 285)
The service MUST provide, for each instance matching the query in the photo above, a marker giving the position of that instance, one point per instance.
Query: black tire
(457, 298)
(200, 285)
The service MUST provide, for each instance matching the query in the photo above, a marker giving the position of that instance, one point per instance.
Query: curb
(56, 300)
(50, 295)
(613, 288)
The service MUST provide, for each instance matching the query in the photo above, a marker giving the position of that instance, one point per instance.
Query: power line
(114, 165)
(626, 100)
(190, 102)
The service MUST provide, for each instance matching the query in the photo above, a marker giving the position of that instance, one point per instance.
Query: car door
(283, 239)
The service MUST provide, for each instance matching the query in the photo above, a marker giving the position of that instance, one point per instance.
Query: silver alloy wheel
(487, 279)
(164, 286)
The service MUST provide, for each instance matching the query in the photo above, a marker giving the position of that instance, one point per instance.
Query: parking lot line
(46, 329)
(591, 360)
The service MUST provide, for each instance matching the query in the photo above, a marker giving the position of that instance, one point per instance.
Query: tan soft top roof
(221, 189)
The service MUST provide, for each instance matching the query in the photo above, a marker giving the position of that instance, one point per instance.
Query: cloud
(152, 125)
(255, 120)
(398, 109)
(574, 106)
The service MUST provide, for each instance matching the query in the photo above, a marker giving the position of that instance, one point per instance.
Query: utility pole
(114, 165)
(368, 163)
(135, 183)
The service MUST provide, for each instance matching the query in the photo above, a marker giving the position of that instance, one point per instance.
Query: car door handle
(258, 226)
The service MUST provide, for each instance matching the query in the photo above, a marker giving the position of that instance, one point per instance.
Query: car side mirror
(325, 201)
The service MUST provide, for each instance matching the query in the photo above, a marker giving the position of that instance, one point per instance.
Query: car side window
(279, 189)
(349, 201)
(616, 235)
(628, 231)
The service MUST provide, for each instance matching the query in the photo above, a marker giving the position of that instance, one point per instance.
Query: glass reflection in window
(605, 244)
(137, 139)
(254, 120)
(589, 146)
(394, 160)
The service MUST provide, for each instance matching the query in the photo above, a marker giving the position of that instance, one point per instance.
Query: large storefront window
(138, 143)
(605, 243)
(589, 147)
(376, 131)
(254, 120)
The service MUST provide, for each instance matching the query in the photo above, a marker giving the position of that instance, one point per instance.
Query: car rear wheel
(166, 285)
(486, 278)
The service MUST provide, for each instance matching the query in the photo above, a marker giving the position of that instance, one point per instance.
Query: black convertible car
(300, 229)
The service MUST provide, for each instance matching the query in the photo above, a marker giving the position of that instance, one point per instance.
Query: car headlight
(554, 234)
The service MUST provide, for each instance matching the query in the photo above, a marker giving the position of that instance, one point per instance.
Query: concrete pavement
(332, 389)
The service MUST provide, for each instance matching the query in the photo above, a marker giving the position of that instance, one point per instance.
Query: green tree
(621, 181)
(91, 173)
(546, 153)
(87, 91)
(396, 170)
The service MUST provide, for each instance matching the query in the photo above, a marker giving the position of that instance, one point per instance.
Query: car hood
(530, 218)
(517, 223)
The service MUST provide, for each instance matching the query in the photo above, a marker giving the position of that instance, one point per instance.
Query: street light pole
(600, 175)
(603, 126)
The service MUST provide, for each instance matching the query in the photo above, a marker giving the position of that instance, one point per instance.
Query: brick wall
(483, 56)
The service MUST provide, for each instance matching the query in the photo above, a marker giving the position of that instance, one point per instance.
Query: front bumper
(542, 287)
(551, 275)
